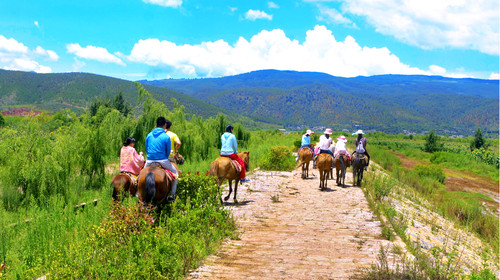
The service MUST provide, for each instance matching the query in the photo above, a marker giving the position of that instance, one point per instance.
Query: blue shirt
(229, 145)
(306, 140)
(157, 144)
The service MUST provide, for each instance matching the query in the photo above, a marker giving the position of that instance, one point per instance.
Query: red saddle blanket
(237, 166)
(171, 176)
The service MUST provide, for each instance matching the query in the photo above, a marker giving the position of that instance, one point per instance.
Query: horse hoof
(236, 202)
(226, 198)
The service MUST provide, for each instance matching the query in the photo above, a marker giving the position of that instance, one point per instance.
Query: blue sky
(157, 39)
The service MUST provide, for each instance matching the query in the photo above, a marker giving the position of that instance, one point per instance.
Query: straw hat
(358, 132)
(328, 131)
(342, 138)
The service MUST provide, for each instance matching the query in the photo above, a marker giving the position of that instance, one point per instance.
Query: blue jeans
(326, 151)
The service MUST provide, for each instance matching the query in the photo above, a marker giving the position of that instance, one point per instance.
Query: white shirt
(340, 146)
(325, 143)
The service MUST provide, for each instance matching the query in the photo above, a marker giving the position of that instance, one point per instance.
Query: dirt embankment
(292, 230)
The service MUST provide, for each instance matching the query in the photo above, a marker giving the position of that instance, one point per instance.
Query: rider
(130, 161)
(230, 149)
(306, 142)
(340, 147)
(325, 141)
(361, 146)
(158, 149)
(174, 140)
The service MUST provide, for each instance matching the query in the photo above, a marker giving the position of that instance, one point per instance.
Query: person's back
(229, 148)
(158, 146)
(361, 146)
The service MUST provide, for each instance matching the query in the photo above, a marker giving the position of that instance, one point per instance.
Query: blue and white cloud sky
(157, 39)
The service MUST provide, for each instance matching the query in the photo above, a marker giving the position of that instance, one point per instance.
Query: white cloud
(464, 24)
(333, 16)
(50, 55)
(165, 3)
(36, 24)
(272, 5)
(15, 55)
(256, 14)
(233, 9)
(320, 52)
(94, 53)
(77, 65)
(494, 76)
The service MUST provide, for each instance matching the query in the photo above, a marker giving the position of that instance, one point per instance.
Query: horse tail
(342, 166)
(150, 187)
(214, 169)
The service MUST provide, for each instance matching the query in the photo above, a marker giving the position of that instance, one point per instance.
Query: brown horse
(153, 185)
(341, 163)
(358, 167)
(324, 163)
(222, 168)
(305, 156)
(122, 185)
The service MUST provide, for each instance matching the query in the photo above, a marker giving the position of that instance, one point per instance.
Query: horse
(222, 168)
(358, 167)
(122, 185)
(341, 163)
(305, 156)
(324, 163)
(153, 185)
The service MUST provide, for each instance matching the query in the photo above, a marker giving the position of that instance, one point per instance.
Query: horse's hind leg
(235, 191)
(230, 190)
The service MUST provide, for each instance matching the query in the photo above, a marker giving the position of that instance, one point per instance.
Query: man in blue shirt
(158, 147)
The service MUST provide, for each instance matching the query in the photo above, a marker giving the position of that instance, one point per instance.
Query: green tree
(2, 120)
(478, 140)
(121, 105)
(432, 142)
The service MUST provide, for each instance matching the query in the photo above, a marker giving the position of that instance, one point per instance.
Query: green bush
(430, 171)
(278, 158)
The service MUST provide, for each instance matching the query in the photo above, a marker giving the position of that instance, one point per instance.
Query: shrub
(278, 158)
(431, 143)
(430, 171)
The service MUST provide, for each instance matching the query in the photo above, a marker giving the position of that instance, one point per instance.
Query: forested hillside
(390, 103)
(78, 90)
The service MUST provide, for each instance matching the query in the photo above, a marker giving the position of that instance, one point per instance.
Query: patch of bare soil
(464, 182)
(292, 230)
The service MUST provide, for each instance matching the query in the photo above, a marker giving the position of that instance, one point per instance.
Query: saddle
(170, 175)
(131, 176)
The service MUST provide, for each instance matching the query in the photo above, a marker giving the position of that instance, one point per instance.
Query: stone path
(292, 230)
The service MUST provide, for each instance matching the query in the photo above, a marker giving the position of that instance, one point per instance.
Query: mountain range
(390, 103)
(272, 98)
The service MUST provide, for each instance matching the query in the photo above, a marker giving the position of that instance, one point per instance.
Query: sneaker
(244, 180)
(171, 198)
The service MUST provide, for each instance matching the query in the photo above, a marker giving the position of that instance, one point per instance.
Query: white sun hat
(342, 138)
(328, 131)
(358, 132)
(309, 132)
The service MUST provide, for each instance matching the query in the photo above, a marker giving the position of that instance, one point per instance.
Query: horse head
(179, 159)
(245, 156)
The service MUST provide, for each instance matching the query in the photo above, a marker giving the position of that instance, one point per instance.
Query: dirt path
(307, 234)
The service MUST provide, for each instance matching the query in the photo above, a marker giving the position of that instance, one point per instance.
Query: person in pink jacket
(130, 161)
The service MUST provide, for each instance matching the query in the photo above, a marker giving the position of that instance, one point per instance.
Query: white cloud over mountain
(428, 24)
(94, 53)
(15, 55)
(320, 52)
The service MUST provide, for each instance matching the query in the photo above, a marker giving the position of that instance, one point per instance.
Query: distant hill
(77, 90)
(390, 103)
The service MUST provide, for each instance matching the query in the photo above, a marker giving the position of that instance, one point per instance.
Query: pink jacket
(130, 160)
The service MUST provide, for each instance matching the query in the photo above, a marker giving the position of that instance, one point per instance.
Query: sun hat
(342, 138)
(358, 132)
(328, 131)
(309, 132)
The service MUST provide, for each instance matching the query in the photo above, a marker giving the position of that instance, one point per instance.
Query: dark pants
(326, 151)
